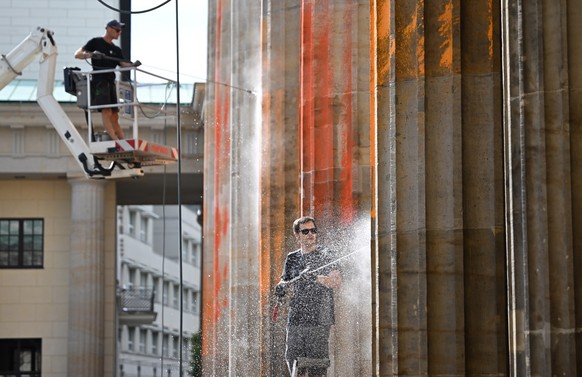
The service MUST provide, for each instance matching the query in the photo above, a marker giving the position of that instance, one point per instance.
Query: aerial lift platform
(98, 157)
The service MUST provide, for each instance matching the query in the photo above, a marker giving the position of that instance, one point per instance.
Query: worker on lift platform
(106, 55)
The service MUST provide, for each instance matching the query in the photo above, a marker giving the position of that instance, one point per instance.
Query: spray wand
(280, 289)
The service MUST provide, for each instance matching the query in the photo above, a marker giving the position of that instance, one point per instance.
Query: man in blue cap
(106, 55)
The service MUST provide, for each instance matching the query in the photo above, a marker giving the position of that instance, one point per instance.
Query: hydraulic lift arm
(41, 42)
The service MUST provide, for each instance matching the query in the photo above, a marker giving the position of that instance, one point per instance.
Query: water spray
(280, 288)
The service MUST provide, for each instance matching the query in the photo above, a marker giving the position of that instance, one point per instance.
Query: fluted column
(280, 180)
(86, 279)
(483, 207)
(233, 137)
(437, 218)
(541, 174)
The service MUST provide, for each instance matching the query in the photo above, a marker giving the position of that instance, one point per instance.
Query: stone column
(541, 174)
(233, 137)
(438, 205)
(483, 234)
(280, 178)
(575, 122)
(86, 279)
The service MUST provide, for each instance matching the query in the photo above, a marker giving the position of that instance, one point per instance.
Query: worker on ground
(311, 310)
(106, 55)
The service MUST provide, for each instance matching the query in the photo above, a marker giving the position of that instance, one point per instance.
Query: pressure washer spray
(280, 288)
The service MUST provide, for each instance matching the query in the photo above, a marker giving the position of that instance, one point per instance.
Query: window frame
(21, 235)
(17, 347)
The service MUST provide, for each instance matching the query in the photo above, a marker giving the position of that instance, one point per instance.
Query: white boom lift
(125, 158)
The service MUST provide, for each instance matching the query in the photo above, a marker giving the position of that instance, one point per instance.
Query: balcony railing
(136, 305)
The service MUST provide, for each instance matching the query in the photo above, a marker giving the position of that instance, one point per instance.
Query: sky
(154, 39)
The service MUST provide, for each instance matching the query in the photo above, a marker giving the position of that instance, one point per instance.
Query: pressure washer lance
(100, 55)
(280, 287)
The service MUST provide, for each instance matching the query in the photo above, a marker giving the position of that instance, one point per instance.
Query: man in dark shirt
(311, 274)
(105, 55)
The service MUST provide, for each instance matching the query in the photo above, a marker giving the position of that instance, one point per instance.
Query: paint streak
(210, 310)
(212, 305)
(326, 132)
(446, 32)
(490, 28)
(345, 124)
(413, 38)
(323, 117)
(377, 28)
(222, 157)
(386, 46)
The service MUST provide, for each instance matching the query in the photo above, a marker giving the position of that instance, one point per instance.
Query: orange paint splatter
(446, 32)
(490, 28)
(413, 31)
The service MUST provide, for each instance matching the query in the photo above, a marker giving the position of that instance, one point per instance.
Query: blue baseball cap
(115, 24)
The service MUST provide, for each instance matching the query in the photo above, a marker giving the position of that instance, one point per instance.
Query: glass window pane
(37, 243)
(25, 360)
(27, 258)
(38, 226)
(27, 243)
(14, 227)
(4, 227)
(27, 227)
(37, 361)
(4, 242)
(3, 258)
(13, 243)
(13, 259)
(37, 259)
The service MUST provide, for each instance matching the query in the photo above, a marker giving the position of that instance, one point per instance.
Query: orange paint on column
(325, 145)
(323, 183)
(345, 121)
(306, 105)
(490, 21)
(221, 165)
(209, 308)
(446, 33)
(316, 131)
(213, 278)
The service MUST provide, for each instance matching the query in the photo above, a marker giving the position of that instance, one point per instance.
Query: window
(131, 277)
(20, 357)
(185, 299)
(21, 243)
(166, 345)
(195, 254)
(132, 223)
(156, 287)
(143, 229)
(155, 343)
(130, 338)
(194, 302)
(142, 340)
(143, 279)
(165, 293)
(176, 296)
(186, 251)
(175, 346)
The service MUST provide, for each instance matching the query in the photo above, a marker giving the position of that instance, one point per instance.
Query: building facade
(149, 272)
(57, 277)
